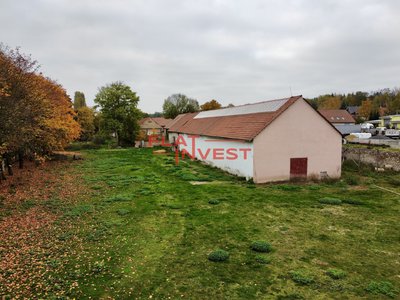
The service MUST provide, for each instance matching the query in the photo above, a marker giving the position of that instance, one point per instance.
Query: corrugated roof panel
(260, 107)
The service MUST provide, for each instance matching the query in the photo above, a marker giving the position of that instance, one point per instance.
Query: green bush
(263, 260)
(301, 277)
(218, 255)
(213, 201)
(123, 211)
(352, 201)
(382, 287)
(100, 139)
(336, 273)
(261, 246)
(330, 201)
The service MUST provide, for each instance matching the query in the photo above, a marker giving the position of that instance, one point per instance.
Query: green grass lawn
(145, 231)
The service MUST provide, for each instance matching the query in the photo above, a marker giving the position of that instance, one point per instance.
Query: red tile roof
(337, 115)
(162, 122)
(239, 126)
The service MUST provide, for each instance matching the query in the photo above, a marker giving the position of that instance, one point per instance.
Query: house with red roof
(154, 126)
(338, 116)
(275, 140)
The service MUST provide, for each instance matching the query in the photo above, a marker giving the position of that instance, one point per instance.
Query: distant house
(392, 121)
(154, 126)
(353, 110)
(274, 140)
(337, 116)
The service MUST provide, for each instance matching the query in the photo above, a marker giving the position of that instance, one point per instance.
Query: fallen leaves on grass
(30, 250)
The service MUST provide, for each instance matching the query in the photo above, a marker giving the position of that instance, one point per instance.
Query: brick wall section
(375, 157)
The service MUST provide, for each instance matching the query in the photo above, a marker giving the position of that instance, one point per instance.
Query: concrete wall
(376, 157)
(240, 166)
(299, 132)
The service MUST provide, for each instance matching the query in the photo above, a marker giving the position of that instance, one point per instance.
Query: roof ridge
(258, 102)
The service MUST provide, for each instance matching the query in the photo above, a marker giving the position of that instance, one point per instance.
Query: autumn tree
(385, 101)
(329, 102)
(355, 99)
(120, 115)
(36, 113)
(365, 109)
(79, 100)
(85, 117)
(179, 104)
(210, 105)
(59, 127)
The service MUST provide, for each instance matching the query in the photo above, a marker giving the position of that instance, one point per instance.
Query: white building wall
(172, 136)
(298, 132)
(241, 166)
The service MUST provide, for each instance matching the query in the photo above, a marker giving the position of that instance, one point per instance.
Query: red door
(298, 167)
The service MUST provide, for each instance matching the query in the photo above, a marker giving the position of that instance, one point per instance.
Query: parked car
(367, 126)
(392, 133)
(381, 130)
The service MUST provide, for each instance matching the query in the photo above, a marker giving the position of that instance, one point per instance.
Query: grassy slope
(147, 232)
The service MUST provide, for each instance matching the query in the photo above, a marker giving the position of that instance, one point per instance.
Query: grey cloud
(234, 51)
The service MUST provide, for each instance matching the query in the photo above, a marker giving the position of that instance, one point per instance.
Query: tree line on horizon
(370, 105)
(116, 113)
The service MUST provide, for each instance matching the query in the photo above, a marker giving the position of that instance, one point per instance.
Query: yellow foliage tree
(210, 105)
(365, 109)
(36, 113)
(329, 102)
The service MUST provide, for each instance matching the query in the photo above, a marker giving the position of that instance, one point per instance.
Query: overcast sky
(233, 51)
